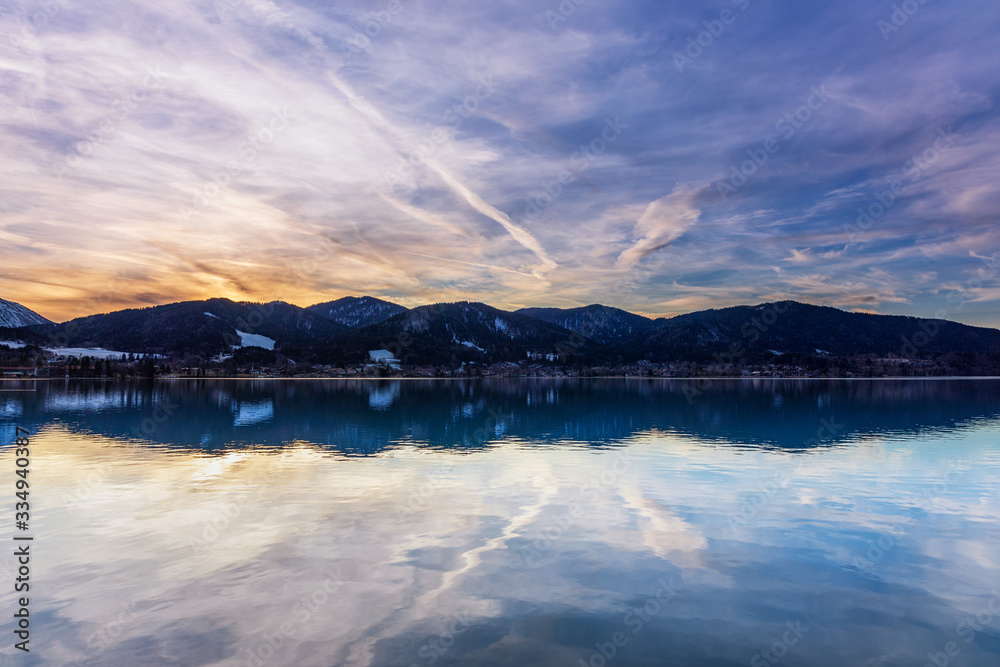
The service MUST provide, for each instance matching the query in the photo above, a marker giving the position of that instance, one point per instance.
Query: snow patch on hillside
(255, 340)
(92, 352)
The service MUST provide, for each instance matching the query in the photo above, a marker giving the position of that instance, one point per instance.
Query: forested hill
(448, 334)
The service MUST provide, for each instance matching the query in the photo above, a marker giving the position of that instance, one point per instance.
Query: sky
(660, 157)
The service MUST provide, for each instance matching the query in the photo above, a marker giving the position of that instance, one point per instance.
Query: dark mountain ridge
(356, 312)
(452, 333)
(604, 324)
(790, 327)
(202, 328)
(343, 332)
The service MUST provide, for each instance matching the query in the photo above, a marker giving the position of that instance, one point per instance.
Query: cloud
(516, 232)
(182, 182)
(663, 222)
(424, 216)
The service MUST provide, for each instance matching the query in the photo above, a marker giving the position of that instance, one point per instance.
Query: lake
(509, 522)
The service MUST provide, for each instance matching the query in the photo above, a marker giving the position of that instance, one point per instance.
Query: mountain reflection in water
(368, 416)
(511, 522)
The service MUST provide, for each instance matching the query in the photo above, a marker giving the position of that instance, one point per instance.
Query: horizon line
(602, 305)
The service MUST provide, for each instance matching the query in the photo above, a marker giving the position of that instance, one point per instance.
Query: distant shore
(680, 378)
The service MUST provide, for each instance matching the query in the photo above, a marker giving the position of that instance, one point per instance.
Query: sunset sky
(517, 153)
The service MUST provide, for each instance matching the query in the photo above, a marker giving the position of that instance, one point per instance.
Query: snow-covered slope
(256, 340)
(15, 315)
(356, 312)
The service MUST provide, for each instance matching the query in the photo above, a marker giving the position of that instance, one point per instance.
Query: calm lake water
(515, 522)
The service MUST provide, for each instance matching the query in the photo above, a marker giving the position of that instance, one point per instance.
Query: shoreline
(518, 377)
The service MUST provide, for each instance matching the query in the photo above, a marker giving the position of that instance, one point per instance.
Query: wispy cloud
(181, 183)
(663, 222)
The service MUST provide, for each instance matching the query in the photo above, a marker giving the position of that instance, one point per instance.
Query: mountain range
(15, 315)
(344, 331)
(449, 334)
(354, 311)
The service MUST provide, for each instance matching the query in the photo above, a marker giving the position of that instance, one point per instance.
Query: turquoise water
(531, 522)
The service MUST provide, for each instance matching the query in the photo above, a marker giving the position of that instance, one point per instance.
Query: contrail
(458, 261)
(519, 234)
(423, 215)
